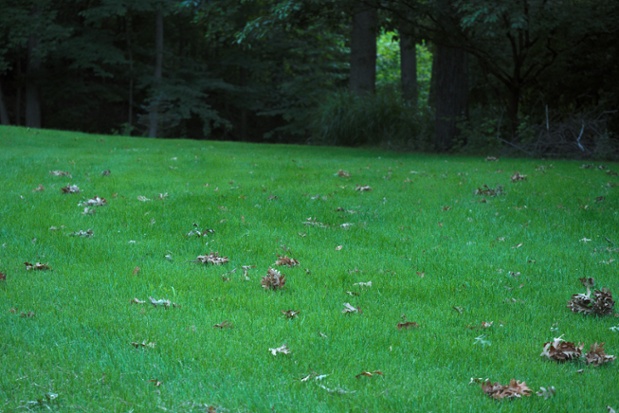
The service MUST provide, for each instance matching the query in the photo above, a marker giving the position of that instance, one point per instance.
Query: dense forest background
(538, 77)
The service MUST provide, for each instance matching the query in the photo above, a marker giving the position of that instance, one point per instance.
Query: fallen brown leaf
(274, 280)
(280, 350)
(369, 374)
(70, 189)
(287, 261)
(223, 324)
(137, 301)
(37, 266)
(143, 344)
(515, 389)
(349, 309)
(561, 350)
(363, 188)
(290, 313)
(212, 258)
(406, 325)
(39, 188)
(60, 173)
(597, 356)
(518, 177)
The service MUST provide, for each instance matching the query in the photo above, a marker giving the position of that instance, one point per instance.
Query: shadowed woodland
(532, 77)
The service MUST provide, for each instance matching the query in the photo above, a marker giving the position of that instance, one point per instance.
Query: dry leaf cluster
(517, 176)
(600, 304)
(274, 280)
(60, 173)
(36, 266)
(96, 201)
(515, 389)
(561, 350)
(286, 261)
(405, 325)
(487, 191)
(81, 233)
(211, 258)
(369, 374)
(280, 350)
(70, 189)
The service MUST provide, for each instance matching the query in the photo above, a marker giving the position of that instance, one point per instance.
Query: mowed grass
(436, 254)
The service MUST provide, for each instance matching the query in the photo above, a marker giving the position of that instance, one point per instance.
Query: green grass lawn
(485, 278)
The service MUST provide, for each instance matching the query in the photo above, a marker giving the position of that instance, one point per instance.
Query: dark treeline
(534, 76)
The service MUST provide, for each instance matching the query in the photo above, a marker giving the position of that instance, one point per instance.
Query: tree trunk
(33, 95)
(363, 49)
(4, 114)
(448, 94)
(153, 118)
(408, 66)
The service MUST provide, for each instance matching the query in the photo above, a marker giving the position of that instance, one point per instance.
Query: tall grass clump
(384, 119)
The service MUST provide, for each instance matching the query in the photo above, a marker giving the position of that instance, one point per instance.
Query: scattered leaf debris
(290, 314)
(487, 191)
(162, 302)
(286, 261)
(2, 276)
(369, 374)
(363, 188)
(343, 174)
(274, 280)
(212, 258)
(60, 173)
(597, 356)
(96, 201)
(280, 350)
(350, 309)
(407, 325)
(517, 176)
(367, 284)
(223, 324)
(336, 390)
(70, 189)
(81, 233)
(143, 344)
(515, 389)
(600, 304)
(137, 301)
(547, 392)
(39, 188)
(36, 266)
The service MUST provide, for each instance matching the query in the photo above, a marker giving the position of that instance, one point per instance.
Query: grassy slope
(421, 236)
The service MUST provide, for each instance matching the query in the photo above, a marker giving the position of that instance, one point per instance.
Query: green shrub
(381, 119)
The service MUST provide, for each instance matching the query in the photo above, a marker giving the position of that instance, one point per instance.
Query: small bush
(380, 119)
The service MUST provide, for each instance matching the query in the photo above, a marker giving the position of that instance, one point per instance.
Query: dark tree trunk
(153, 118)
(363, 49)
(33, 95)
(4, 114)
(448, 94)
(408, 66)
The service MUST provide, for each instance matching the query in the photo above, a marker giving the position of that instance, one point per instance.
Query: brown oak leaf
(212, 258)
(561, 350)
(37, 266)
(70, 189)
(290, 313)
(515, 389)
(280, 350)
(600, 304)
(274, 280)
(597, 356)
(406, 325)
(369, 374)
(287, 261)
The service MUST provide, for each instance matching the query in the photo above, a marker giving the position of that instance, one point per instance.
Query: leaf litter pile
(594, 302)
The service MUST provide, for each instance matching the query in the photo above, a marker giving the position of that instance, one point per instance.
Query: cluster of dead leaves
(162, 302)
(22, 314)
(36, 266)
(600, 304)
(211, 258)
(286, 261)
(274, 280)
(515, 389)
(70, 189)
(561, 351)
(487, 191)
